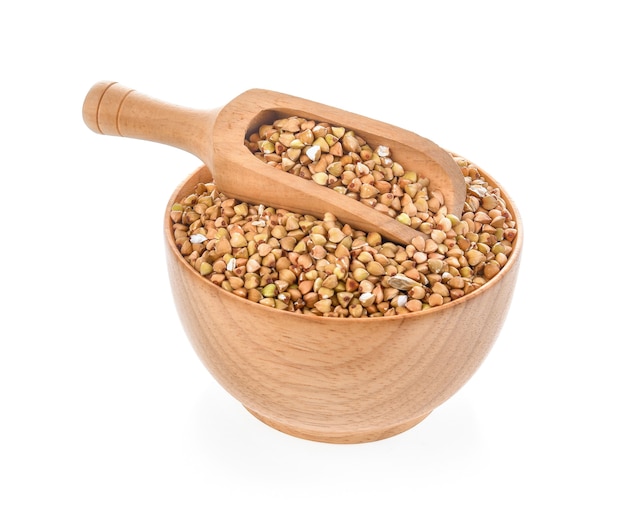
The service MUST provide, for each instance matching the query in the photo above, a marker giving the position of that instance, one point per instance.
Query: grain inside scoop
(217, 137)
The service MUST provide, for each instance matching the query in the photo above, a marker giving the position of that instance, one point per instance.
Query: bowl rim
(512, 261)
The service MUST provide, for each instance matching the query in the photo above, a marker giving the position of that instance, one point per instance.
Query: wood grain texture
(337, 380)
(217, 137)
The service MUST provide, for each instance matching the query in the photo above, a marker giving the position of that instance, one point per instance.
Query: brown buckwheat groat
(323, 267)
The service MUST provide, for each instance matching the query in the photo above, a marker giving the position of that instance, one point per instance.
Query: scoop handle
(116, 110)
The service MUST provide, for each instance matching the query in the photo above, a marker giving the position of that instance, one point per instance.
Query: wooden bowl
(337, 380)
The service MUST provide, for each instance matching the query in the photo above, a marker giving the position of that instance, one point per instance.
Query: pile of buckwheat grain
(299, 263)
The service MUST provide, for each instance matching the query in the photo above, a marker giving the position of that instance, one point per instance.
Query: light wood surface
(337, 380)
(216, 137)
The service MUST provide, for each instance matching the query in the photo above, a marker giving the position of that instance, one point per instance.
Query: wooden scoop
(217, 138)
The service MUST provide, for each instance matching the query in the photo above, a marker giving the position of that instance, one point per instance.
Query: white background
(104, 407)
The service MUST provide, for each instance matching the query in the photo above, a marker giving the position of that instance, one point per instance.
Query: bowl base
(339, 437)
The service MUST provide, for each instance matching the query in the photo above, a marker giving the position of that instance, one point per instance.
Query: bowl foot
(338, 436)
